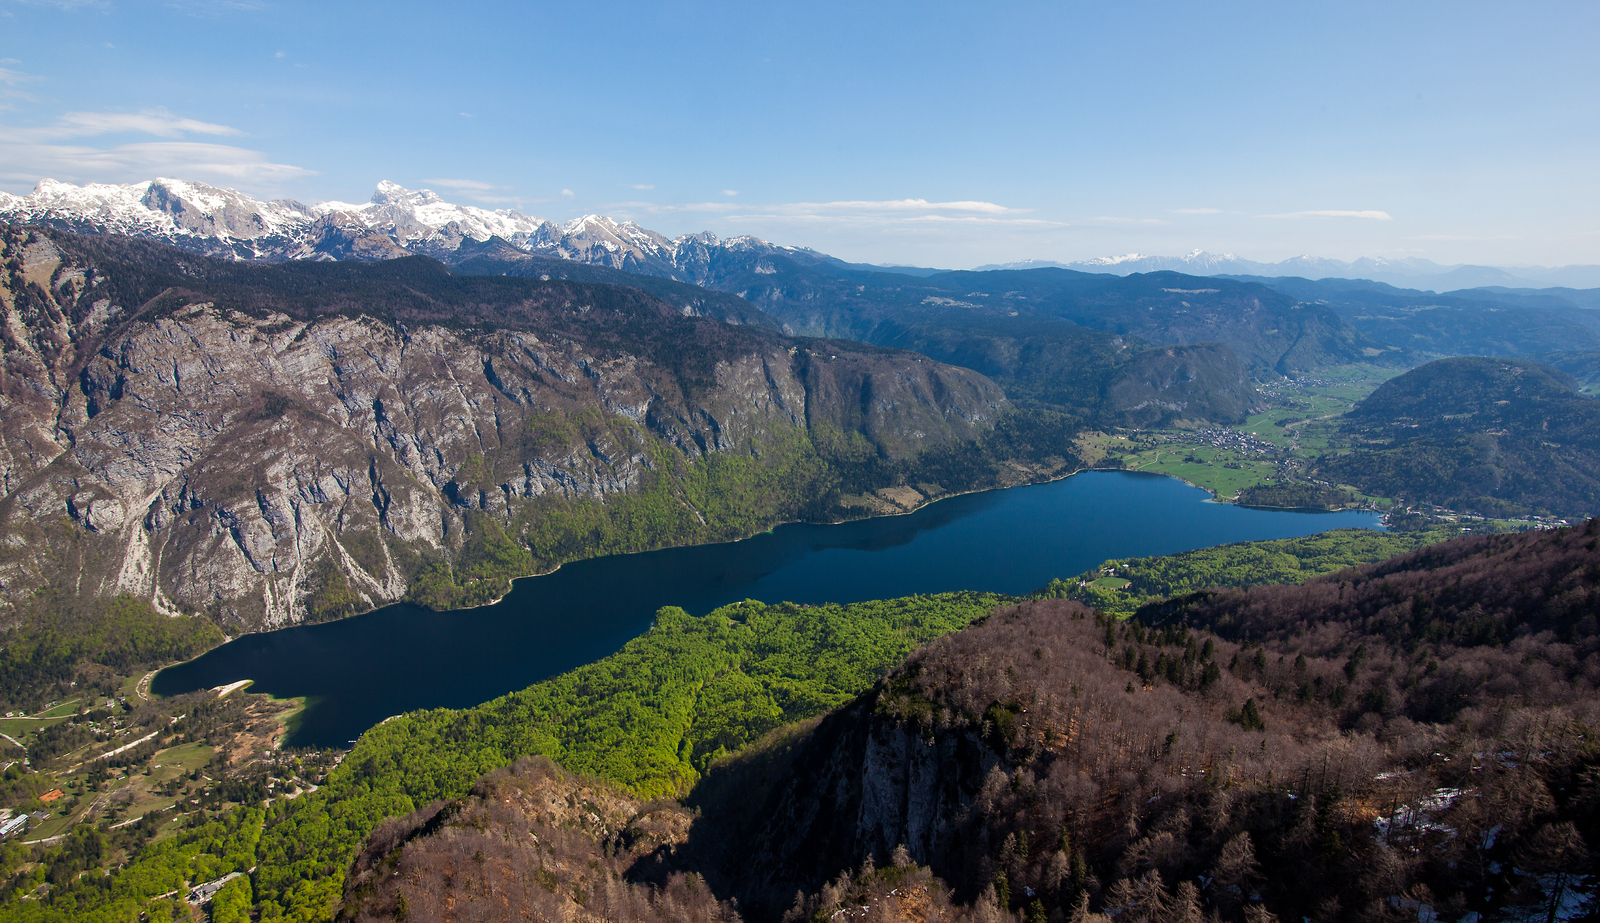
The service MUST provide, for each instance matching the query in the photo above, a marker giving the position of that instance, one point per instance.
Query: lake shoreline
(359, 670)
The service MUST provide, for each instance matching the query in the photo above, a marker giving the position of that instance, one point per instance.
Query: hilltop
(1494, 436)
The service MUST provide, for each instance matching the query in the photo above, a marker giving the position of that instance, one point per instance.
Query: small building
(203, 893)
(14, 826)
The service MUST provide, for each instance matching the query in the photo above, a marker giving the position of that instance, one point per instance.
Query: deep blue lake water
(360, 670)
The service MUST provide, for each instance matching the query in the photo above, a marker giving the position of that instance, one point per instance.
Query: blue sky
(930, 133)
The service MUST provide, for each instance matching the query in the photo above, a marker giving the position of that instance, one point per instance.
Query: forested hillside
(1493, 436)
(1315, 751)
(1339, 750)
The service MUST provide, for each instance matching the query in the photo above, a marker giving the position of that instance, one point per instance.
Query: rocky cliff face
(232, 438)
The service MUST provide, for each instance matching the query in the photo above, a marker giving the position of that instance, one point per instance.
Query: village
(132, 770)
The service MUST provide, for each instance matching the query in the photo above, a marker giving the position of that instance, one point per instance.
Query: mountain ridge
(222, 221)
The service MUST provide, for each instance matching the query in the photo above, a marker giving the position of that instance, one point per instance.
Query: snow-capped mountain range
(222, 222)
(397, 221)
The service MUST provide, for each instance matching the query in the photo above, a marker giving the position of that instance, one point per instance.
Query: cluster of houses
(1229, 439)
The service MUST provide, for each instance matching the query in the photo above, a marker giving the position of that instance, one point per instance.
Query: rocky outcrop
(229, 438)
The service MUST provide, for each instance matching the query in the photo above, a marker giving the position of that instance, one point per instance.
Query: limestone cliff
(236, 438)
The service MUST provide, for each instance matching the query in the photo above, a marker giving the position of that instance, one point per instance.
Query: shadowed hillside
(1494, 436)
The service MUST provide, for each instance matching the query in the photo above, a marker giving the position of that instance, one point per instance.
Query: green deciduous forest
(151, 882)
(121, 633)
(1120, 587)
(652, 717)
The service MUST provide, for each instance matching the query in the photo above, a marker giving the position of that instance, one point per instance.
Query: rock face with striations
(223, 437)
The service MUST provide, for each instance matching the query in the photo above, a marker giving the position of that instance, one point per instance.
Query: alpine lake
(358, 671)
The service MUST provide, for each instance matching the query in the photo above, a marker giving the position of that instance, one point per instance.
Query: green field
(1300, 423)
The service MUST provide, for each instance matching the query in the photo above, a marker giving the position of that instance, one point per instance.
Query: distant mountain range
(223, 222)
(396, 222)
(1407, 273)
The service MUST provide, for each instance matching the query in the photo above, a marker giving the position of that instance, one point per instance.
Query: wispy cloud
(907, 205)
(730, 192)
(890, 208)
(29, 154)
(1112, 219)
(1195, 211)
(10, 80)
(466, 185)
(877, 214)
(1462, 237)
(641, 186)
(158, 122)
(481, 191)
(1334, 213)
(132, 162)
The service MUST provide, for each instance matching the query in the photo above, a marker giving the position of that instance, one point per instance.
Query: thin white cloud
(466, 185)
(133, 162)
(158, 122)
(1462, 237)
(730, 192)
(567, 193)
(480, 191)
(1112, 219)
(638, 185)
(10, 80)
(1195, 211)
(904, 205)
(854, 211)
(29, 154)
(1334, 213)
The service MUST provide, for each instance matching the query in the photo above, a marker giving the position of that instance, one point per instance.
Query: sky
(928, 133)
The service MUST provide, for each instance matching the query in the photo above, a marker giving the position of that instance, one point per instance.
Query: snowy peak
(389, 193)
(1115, 260)
(396, 221)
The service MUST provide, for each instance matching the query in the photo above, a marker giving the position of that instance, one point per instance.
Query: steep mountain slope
(253, 440)
(1496, 436)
